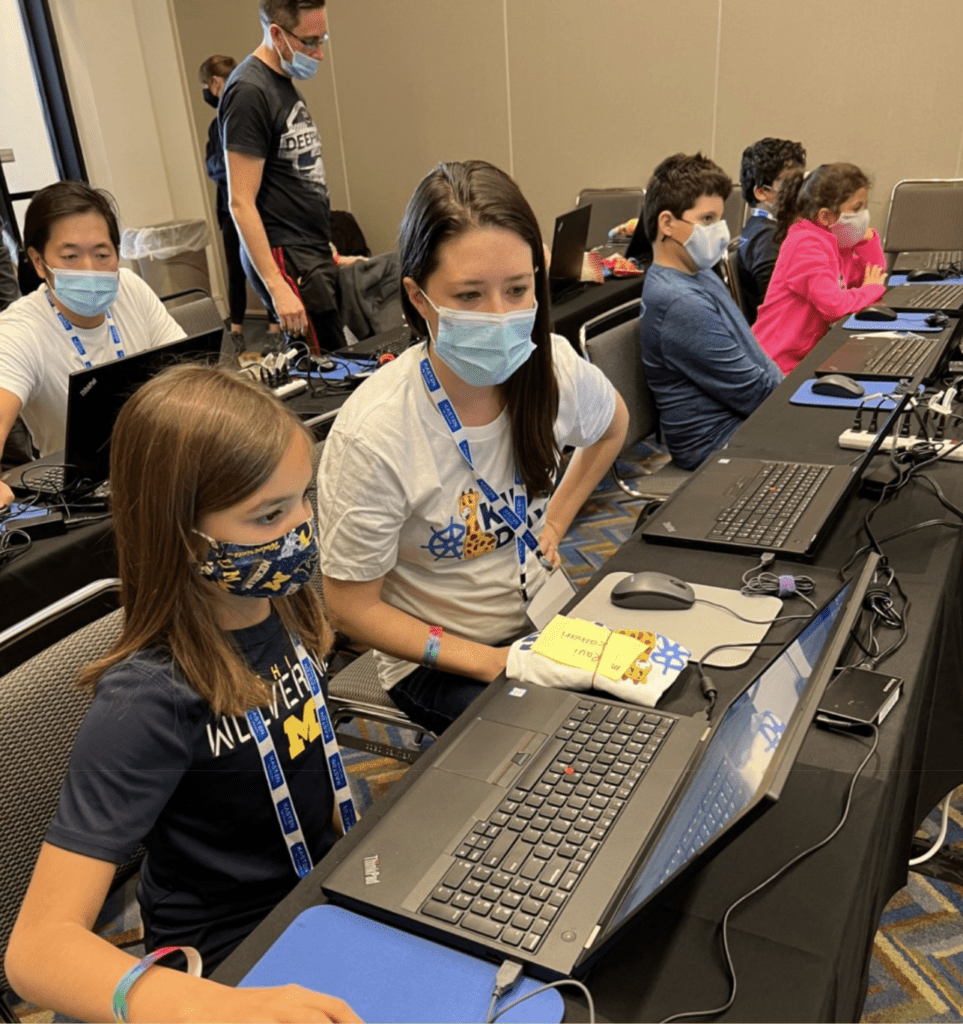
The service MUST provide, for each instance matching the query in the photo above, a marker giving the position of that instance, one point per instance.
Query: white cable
(937, 845)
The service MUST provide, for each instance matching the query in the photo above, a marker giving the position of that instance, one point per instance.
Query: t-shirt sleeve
(732, 369)
(132, 749)
(244, 117)
(160, 327)
(586, 401)
(362, 507)
(21, 371)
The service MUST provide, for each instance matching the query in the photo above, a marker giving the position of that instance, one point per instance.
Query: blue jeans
(434, 699)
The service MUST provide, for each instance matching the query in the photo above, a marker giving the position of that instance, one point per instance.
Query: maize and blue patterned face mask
(273, 569)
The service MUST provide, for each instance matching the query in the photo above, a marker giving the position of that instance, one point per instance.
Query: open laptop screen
(746, 762)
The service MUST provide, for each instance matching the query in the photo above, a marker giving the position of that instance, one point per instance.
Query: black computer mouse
(837, 385)
(652, 590)
(876, 313)
(924, 275)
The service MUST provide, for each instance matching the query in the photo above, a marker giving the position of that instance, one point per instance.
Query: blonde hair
(192, 441)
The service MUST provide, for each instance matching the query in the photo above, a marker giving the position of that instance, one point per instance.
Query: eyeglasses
(313, 42)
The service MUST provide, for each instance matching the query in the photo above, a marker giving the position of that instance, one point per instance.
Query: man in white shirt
(87, 312)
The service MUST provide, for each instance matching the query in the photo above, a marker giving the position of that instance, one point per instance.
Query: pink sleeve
(813, 275)
(866, 253)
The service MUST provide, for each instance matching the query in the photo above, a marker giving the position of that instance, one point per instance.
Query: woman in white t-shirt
(85, 313)
(420, 557)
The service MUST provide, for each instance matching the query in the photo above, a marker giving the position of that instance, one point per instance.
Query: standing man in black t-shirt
(278, 191)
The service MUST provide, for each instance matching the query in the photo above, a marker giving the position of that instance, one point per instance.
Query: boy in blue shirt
(706, 371)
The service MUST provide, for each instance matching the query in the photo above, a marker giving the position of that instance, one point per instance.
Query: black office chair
(610, 206)
(925, 215)
(611, 342)
(41, 709)
(732, 275)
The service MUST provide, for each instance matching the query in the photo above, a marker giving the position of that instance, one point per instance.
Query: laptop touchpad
(487, 750)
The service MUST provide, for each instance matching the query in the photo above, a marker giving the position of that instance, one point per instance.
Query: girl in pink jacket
(830, 264)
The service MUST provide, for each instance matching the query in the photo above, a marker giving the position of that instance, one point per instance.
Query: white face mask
(707, 243)
(850, 228)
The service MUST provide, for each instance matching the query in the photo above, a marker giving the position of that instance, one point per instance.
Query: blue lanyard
(516, 518)
(277, 784)
(758, 211)
(75, 338)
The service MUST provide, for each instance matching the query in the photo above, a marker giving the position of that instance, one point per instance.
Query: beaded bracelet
(127, 982)
(430, 657)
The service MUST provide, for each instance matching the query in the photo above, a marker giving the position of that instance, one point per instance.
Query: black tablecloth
(802, 947)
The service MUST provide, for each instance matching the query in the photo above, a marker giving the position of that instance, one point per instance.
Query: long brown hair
(452, 199)
(192, 441)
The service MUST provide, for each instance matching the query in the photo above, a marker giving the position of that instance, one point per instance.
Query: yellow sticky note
(583, 645)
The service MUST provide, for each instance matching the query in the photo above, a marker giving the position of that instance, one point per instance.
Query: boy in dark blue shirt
(765, 165)
(706, 371)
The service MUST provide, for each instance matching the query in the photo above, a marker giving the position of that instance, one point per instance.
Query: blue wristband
(128, 981)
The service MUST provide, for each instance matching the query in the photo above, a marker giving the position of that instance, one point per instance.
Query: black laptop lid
(747, 760)
(95, 397)
(568, 244)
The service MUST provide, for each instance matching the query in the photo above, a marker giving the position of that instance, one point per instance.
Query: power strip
(290, 388)
(861, 440)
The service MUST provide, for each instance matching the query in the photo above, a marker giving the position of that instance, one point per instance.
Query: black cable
(730, 967)
(752, 622)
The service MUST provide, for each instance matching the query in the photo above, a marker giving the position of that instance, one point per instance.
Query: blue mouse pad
(903, 322)
(388, 975)
(894, 279)
(804, 395)
(343, 368)
(20, 512)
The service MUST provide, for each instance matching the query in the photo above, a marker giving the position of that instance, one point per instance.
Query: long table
(802, 947)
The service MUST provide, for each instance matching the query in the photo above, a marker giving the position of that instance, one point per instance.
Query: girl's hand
(548, 543)
(285, 1003)
(874, 275)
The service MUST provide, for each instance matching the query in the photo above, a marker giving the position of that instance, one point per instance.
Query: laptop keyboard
(513, 872)
(44, 479)
(900, 356)
(933, 296)
(771, 504)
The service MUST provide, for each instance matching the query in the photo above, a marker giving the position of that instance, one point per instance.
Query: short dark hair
(676, 185)
(286, 13)
(764, 161)
(218, 66)
(65, 199)
(827, 187)
(458, 197)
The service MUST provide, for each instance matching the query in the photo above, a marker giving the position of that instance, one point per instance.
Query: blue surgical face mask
(88, 293)
(484, 349)
(707, 243)
(272, 569)
(300, 66)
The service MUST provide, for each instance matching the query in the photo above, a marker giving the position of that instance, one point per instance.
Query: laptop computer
(530, 838)
(948, 297)
(94, 398)
(906, 261)
(888, 355)
(752, 505)
(568, 248)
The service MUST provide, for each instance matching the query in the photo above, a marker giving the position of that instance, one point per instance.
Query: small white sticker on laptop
(517, 691)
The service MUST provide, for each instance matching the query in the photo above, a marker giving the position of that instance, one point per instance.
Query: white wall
(129, 95)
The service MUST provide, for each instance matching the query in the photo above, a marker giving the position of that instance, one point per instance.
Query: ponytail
(787, 202)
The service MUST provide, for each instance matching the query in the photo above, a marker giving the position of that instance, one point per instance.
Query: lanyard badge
(517, 517)
(277, 784)
(75, 337)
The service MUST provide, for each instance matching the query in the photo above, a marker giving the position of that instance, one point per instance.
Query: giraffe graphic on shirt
(477, 542)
